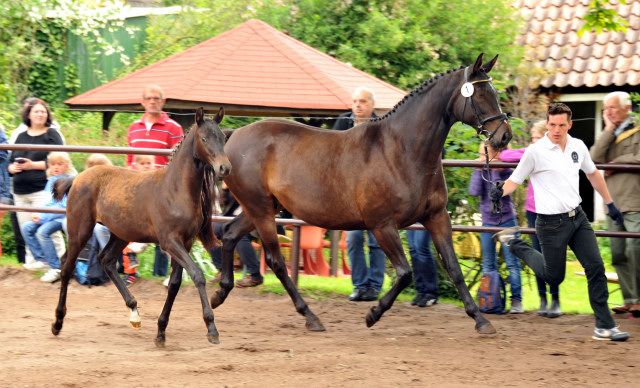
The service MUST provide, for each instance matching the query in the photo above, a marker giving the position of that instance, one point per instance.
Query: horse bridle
(481, 122)
(496, 207)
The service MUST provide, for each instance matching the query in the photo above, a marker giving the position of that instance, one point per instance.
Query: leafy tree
(603, 19)
(33, 35)
(404, 43)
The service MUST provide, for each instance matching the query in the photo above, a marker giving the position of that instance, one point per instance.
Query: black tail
(61, 187)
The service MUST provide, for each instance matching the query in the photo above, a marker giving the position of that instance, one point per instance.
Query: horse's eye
(204, 139)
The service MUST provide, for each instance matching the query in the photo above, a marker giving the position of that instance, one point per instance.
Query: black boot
(544, 309)
(554, 311)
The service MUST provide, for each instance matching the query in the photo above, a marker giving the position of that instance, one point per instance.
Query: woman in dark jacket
(28, 167)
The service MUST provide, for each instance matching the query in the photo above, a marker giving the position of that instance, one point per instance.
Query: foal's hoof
(135, 325)
(372, 317)
(54, 329)
(213, 338)
(315, 325)
(486, 328)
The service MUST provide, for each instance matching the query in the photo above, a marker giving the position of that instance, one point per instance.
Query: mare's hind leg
(108, 258)
(232, 232)
(175, 281)
(440, 228)
(180, 255)
(389, 241)
(77, 241)
(267, 230)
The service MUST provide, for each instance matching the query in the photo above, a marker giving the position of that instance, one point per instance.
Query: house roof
(605, 59)
(252, 69)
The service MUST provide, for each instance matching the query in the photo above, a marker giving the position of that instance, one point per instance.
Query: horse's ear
(200, 116)
(489, 65)
(478, 65)
(219, 115)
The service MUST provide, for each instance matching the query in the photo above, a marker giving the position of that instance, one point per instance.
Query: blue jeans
(38, 239)
(364, 277)
(100, 231)
(244, 249)
(160, 262)
(490, 260)
(555, 233)
(425, 272)
(542, 286)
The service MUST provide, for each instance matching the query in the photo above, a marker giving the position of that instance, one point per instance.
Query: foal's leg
(77, 240)
(108, 258)
(440, 228)
(174, 286)
(389, 241)
(180, 255)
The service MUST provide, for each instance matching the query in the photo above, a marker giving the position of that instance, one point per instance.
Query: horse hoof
(486, 328)
(213, 338)
(54, 329)
(315, 325)
(135, 325)
(371, 317)
(215, 301)
(159, 342)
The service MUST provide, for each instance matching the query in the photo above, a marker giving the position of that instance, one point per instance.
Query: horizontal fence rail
(296, 223)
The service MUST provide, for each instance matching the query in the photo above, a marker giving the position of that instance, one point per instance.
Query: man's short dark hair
(558, 108)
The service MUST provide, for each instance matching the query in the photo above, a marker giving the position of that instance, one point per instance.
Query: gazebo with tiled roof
(251, 70)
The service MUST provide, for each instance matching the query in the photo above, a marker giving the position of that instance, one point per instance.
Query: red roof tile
(604, 59)
(252, 65)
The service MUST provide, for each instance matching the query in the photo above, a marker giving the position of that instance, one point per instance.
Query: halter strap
(481, 122)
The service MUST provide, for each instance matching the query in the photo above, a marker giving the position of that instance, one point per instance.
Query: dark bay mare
(382, 175)
(170, 206)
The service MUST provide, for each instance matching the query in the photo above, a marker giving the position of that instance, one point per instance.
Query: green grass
(573, 291)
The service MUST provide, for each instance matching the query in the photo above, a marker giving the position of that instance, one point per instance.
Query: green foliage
(403, 43)
(33, 35)
(603, 19)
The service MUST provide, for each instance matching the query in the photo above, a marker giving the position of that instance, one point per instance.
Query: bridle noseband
(467, 92)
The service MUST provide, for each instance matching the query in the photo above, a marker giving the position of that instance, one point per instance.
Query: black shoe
(417, 299)
(544, 308)
(427, 301)
(370, 295)
(356, 295)
(554, 311)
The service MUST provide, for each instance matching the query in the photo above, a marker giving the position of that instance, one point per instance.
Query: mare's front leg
(440, 228)
(175, 281)
(389, 241)
(108, 259)
(232, 232)
(180, 258)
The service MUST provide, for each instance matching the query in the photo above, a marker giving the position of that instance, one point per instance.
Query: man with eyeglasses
(154, 130)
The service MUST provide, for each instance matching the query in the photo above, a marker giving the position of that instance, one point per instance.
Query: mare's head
(209, 143)
(477, 104)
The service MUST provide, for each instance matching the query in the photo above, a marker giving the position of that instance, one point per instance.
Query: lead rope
(496, 206)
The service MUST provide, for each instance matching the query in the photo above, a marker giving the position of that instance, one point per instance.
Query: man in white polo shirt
(553, 164)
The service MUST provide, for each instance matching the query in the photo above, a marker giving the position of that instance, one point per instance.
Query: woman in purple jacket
(479, 187)
(514, 155)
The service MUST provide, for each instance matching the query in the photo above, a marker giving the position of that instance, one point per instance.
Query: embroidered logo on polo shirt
(574, 157)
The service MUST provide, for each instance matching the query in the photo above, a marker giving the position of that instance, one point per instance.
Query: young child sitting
(37, 232)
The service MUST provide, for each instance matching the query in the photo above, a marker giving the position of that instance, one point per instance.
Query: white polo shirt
(554, 173)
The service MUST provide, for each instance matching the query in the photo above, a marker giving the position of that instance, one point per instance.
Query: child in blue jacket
(37, 232)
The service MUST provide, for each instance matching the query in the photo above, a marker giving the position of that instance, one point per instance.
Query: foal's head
(477, 104)
(209, 143)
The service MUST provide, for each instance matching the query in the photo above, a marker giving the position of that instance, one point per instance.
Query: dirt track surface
(264, 343)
